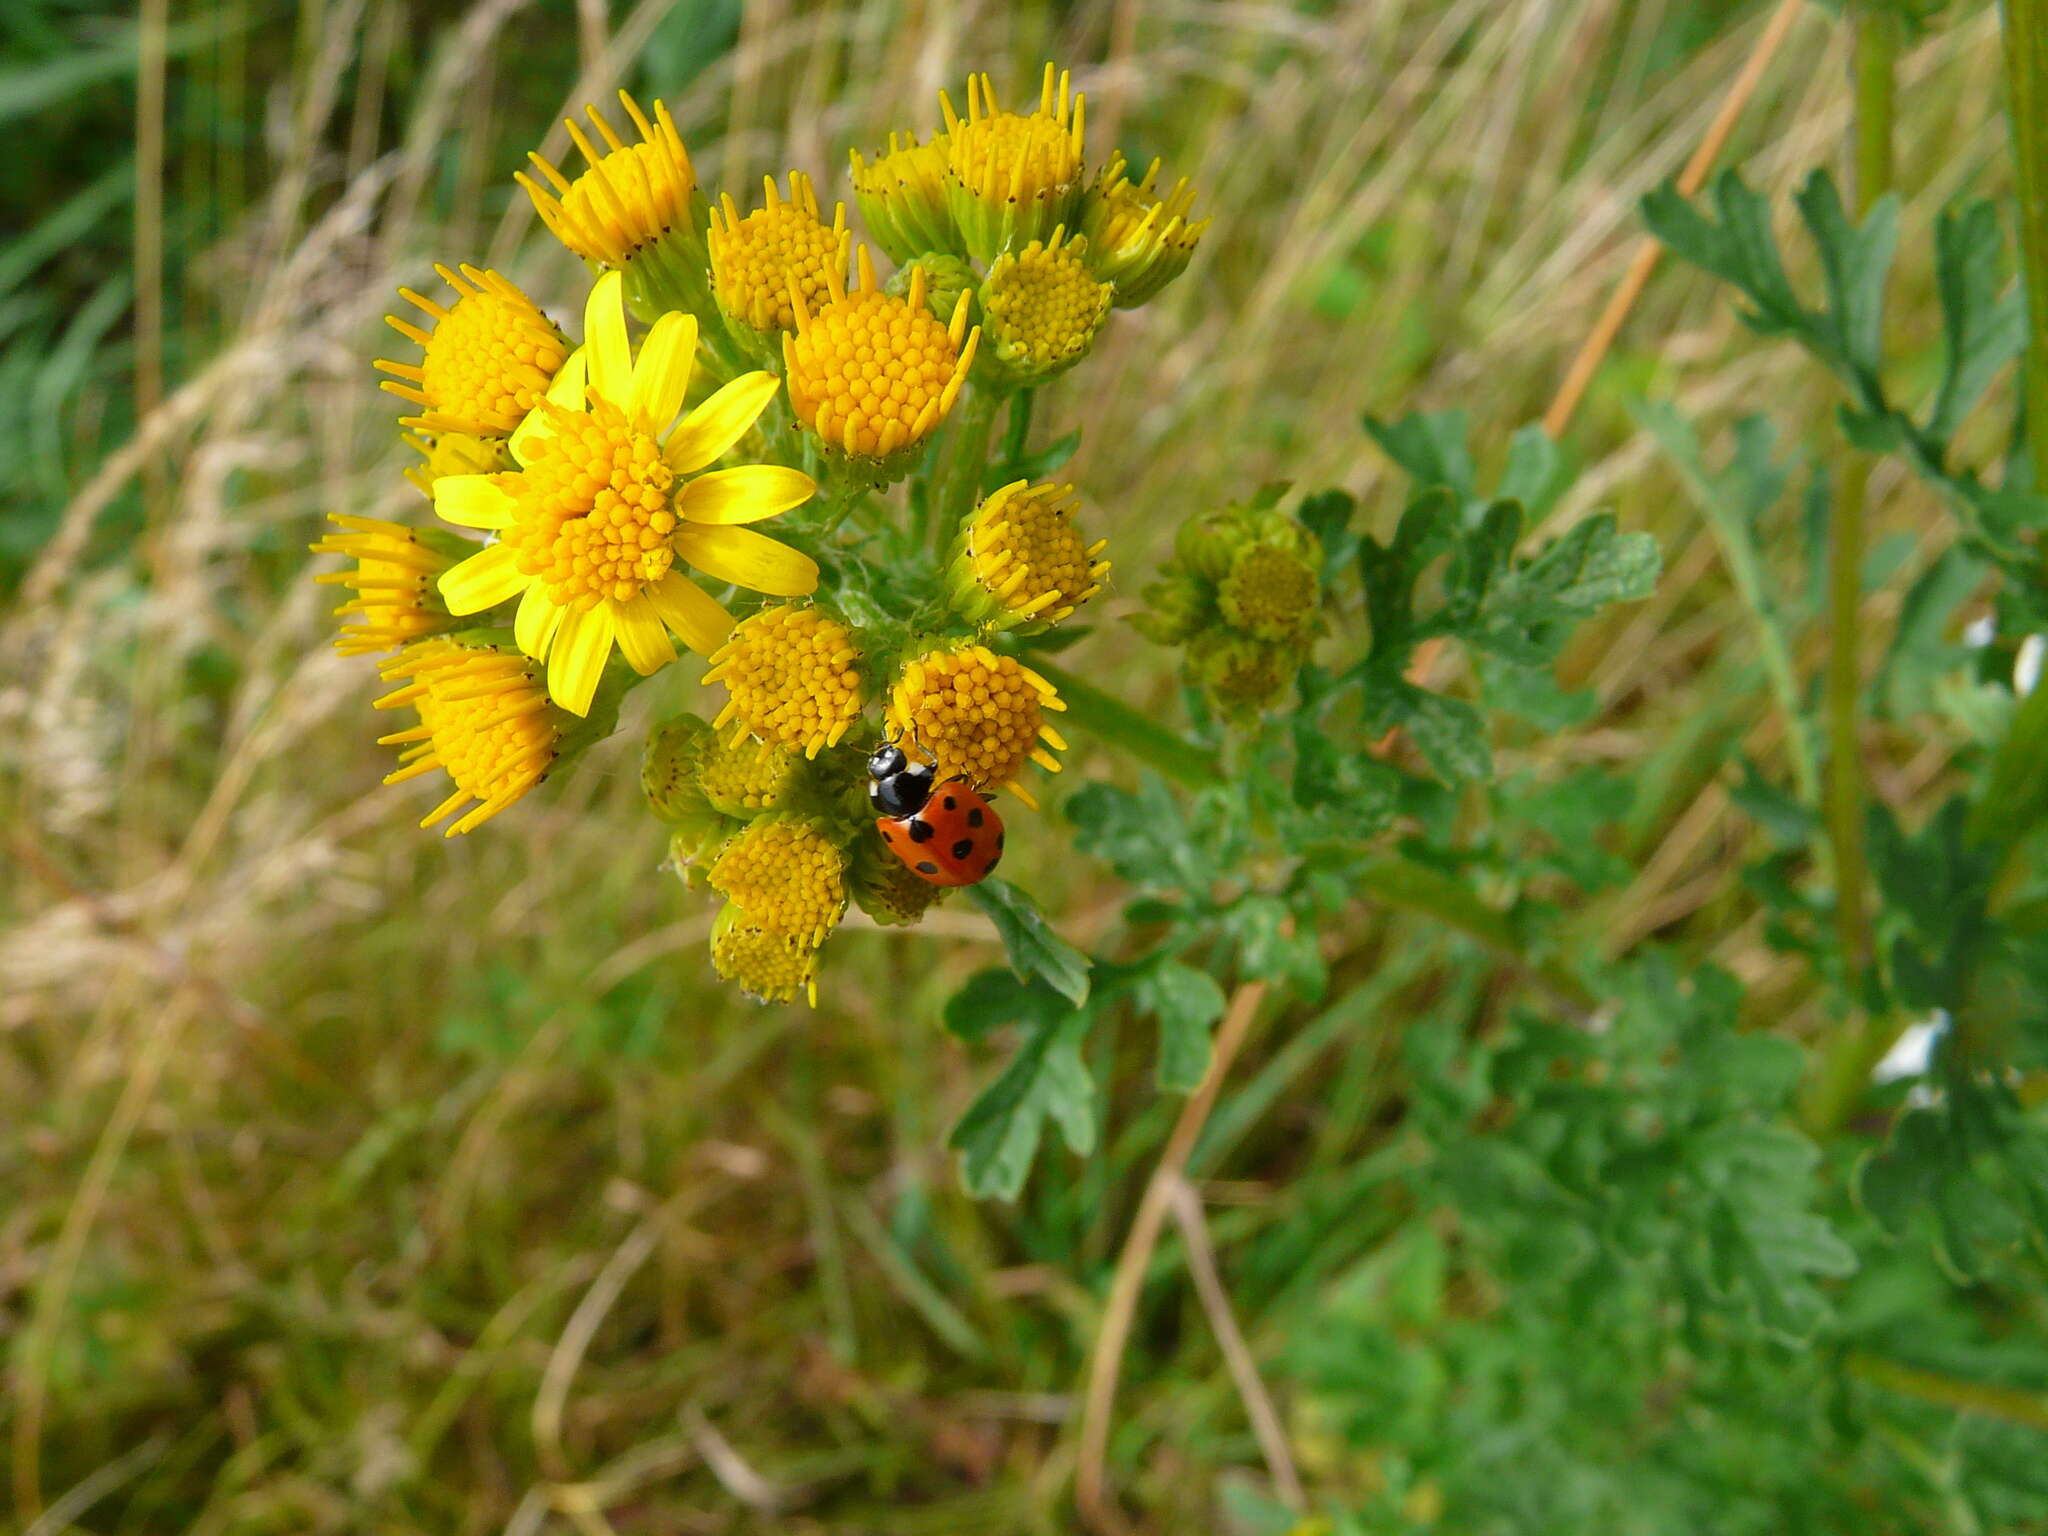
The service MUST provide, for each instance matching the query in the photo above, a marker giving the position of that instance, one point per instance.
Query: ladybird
(946, 833)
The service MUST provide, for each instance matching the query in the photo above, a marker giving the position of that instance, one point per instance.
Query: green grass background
(351, 1180)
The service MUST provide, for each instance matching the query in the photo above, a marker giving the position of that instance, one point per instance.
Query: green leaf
(1430, 447)
(998, 1137)
(1739, 249)
(1327, 515)
(1034, 949)
(1982, 330)
(1536, 473)
(2015, 797)
(1855, 260)
(1449, 733)
(1187, 1003)
(994, 998)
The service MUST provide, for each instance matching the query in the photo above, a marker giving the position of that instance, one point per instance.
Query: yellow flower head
(902, 196)
(453, 453)
(786, 875)
(393, 580)
(1269, 592)
(770, 967)
(489, 356)
(631, 195)
(1139, 240)
(757, 260)
(873, 375)
(1010, 178)
(744, 778)
(885, 888)
(792, 673)
(1242, 674)
(977, 716)
(1020, 559)
(484, 719)
(1040, 309)
(609, 506)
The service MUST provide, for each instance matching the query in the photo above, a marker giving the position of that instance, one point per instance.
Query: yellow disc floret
(757, 260)
(593, 518)
(786, 875)
(902, 196)
(772, 967)
(1041, 309)
(631, 195)
(484, 719)
(793, 676)
(489, 356)
(1269, 592)
(873, 375)
(977, 716)
(1011, 177)
(393, 580)
(1023, 560)
(746, 777)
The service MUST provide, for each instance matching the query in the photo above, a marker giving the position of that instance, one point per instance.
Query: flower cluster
(600, 494)
(1241, 595)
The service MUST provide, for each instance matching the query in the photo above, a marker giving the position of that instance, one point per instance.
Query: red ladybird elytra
(947, 834)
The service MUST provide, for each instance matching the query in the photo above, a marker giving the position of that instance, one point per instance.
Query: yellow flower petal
(694, 614)
(533, 629)
(472, 501)
(604, 334)
(661, 377)
(748, 559)
(720, 422)
(642, 637)
(744, 494)
(567, 391)
(583, 644)
(487, 578)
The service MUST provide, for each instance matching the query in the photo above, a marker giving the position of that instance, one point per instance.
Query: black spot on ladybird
(963, 848)
(952, 804)
(975, 818)
(922, 832)
(927, 868)
(999, 841)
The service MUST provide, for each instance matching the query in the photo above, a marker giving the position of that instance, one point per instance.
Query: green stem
(1018, 431)
(2011, 1404)
(1413, 887)
(2026, 66)
(1119, 725)
(966, 458)
(1863, 1040)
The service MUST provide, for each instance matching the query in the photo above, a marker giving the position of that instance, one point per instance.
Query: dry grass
(360, 1181)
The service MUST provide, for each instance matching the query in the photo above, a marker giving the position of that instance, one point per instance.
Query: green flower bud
(946, 277)
(1243, 675)
(1138, 240)
(886, 890)
(670, 767)
(1270, 593)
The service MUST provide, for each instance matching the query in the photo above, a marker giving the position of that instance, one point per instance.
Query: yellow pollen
(871, 373)
(489, 356)
(793, 678)
(785, 875)
(1041, 307)
(396, 599)
(631, 195)
(1268, 592)
(1028, 554)
(746, 777)
(976, 715)
(593, 517)
(484, 719)
(755, 260)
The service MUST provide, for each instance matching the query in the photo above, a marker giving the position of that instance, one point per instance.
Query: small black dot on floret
(927, 868)
(921, 832)
(963, 848)
(975, 818)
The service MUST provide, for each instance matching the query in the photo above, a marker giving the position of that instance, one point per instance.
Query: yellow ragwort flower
(1020, 559)
(792, 673)
(1010, 177)
(1269, 592)
(1139, 240)
(757, 260)
(631, 195)
(393, 580)
(1040, 310)
(786, 875)
(977, 716)
(609, 505)
(902, 196)
(484, 719)
(744, 778)
(873, 375)
(769, 967)
(887, 890)
(453, 453)
(489, 356)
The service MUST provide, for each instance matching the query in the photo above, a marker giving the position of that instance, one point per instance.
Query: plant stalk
(2026, 68)
(966, 457)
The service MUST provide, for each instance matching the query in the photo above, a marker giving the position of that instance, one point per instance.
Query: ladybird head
(898, 787)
